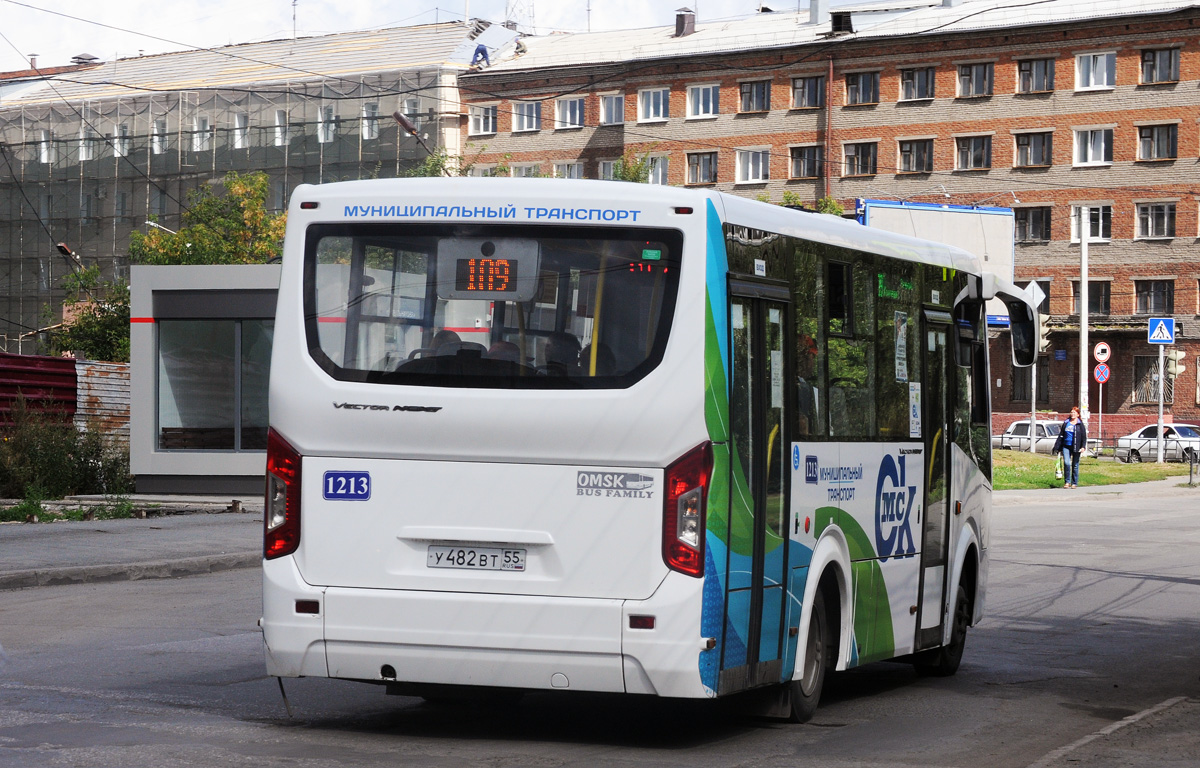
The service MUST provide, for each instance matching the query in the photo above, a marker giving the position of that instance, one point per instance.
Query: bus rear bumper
(486, 640)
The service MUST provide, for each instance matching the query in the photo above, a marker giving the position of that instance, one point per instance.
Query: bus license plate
(476, 558)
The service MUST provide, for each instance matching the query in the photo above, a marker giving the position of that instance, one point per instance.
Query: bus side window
(851, 347)
(807, 290)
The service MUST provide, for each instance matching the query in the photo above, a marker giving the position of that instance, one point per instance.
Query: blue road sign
(1101, 373)
(1161, 330)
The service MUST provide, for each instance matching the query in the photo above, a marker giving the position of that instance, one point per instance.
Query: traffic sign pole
(1160, 331)
(1101, 373)
(1162, 374)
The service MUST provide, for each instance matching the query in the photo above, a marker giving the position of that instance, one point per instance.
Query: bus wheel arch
(822, 629)
(944, 660)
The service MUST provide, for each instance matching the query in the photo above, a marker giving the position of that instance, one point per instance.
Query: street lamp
(156, 225)
(408, 126)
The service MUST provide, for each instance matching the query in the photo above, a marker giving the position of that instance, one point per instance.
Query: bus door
(752, 647)
(937, 375)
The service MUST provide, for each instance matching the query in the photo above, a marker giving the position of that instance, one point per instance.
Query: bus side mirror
(1023, 330)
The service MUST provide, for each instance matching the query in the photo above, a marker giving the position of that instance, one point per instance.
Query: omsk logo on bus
(893, 510)
(629, 485)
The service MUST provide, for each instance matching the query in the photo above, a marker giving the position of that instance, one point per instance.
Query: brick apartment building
(1046, 107)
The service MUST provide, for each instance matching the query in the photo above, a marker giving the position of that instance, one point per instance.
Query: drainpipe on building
(829, 131)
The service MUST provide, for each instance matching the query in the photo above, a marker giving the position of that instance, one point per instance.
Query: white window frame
(87, 143)
(480, 170)
(799, 86)
(700, 165)
(569, 113)
(607, 168)
(326, 124)
(241, 130)
(654, 105)
(1086, 147)
(1102, 213)
(753, 165)
(612, 108)
(524, 170)
(283, 130)
(202, 133)
(481, 120)
(370, 120)
(1155, 220)
(703, 101)
(158, 136)
(46, 147)
(1086, 78)
(659, 165)
(122, 142)
(569, 170)
(526, 116)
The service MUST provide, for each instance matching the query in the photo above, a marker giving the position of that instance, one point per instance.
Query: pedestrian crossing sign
(1161, 330)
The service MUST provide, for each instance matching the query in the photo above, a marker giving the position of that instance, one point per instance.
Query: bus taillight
(281, 521)
(684, 509)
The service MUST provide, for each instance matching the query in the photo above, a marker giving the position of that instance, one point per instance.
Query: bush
(44, 456)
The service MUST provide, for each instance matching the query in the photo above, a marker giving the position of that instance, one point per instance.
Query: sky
(46, 27)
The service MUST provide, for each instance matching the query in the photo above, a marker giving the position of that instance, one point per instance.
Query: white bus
(536, 434)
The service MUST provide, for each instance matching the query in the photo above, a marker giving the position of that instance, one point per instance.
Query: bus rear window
(493, 307)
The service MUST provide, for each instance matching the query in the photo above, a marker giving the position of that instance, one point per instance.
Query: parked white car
(1179, 440)
(1016, 437)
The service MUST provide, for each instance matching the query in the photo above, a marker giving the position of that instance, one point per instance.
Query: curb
(155, 569)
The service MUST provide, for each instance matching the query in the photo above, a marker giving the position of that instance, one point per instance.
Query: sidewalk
(1158, 489)
(180, 536)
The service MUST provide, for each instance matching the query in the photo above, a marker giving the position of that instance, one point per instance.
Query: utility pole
(1085, 231)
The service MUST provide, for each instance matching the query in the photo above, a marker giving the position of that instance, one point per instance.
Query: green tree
(97, 318)
(632, 168)
(230, 228)
(442, 163)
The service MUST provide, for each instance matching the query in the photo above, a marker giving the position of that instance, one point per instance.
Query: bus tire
(944, 661)
(806, 691)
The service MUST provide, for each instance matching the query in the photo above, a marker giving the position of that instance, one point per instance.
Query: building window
(612, 109)
(568, 170)
(482, 170)
(87, 208)
(482, 120)
(702, 167)
(527, 116)
(916, 83)
(973, 152)
(46, 147)
(1155, 220)
(1032, 224)
(703, 101)
(370, 121)
(1035, 75)
(654, 104)
(1155, 297)
(1020, 386)
(87, 144)
(806, 162)
(241, 131)
(862, 88)
(916, 156)
(808, 92)
(974, 80)
(212, 393)
(658, 170)
(1145, 377)
(1034, 150)
(201, 134)
(158, 202)
(1157, 142)
(1095, 71)
(524, 170)
(122, 140)
(1099, 293)
(121, 205)
(282, 131)
(1100, 222)
(1160, 66)
(756, 96)
(860, 158)
(411, 107)
(1094, 146)
(568, 113)
(608, 169)
(326, 125)
(753, 165)
(158, 136)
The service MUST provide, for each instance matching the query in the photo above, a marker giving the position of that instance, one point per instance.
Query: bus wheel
(806, 692)
(944, 661)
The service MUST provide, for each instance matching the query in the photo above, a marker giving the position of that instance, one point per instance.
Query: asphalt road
(1092, 621)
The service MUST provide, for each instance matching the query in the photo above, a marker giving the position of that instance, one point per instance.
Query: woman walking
(1071, 442)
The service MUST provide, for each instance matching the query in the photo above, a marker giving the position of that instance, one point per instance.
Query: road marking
(1105, 731)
